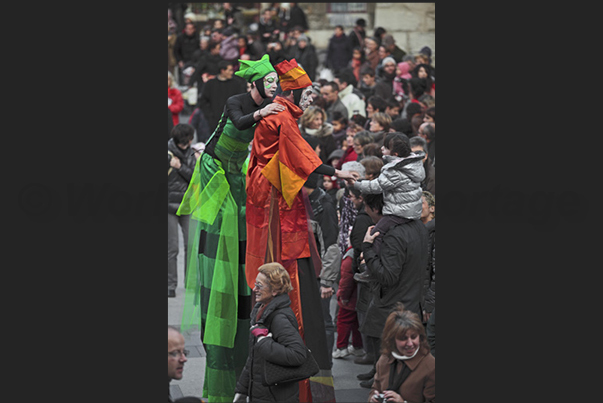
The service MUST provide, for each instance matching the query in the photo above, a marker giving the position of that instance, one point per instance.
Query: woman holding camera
(274, 337)
(406, 368)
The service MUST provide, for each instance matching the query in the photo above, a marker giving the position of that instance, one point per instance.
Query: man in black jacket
(364, 221)
(217, 90)
(181, 163)
(399, 268)
(187, 43)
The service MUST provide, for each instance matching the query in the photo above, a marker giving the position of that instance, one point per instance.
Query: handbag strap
(396, 380)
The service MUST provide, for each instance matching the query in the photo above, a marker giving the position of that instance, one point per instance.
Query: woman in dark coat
(339, 51)
(274, 337)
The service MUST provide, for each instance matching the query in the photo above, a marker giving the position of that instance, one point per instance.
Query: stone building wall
(411, 24)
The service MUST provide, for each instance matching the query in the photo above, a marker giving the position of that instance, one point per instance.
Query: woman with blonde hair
(379, 126)
(313, 123)
(406, 368)
(274, 337)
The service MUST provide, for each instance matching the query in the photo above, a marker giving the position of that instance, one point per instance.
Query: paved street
(344, 370)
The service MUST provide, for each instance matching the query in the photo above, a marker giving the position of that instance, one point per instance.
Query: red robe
(279, 165)
(277, 222)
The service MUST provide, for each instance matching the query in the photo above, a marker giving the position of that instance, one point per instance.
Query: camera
(380, 398)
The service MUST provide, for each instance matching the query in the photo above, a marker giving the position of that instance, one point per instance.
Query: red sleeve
(346, 282)
(177, 102)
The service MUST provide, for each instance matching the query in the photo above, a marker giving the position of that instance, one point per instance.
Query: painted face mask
(306, 99)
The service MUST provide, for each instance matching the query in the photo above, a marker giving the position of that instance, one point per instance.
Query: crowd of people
(327, 171)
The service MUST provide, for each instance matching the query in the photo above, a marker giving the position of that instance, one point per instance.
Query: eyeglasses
(259, 286)
(178, 353)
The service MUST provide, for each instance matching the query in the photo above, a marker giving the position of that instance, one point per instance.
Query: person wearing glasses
(176, 359)
(274, 337)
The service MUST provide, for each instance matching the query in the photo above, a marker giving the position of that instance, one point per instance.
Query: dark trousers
(173, 222)
(375, 342)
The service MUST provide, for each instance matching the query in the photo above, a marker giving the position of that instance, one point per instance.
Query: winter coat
(363, 221)
(398, 270)
(339, 52)
(348, 155)
(178, 179)
(308, 59)
(429, 181)
(400, 182)
(347, 292)
(297, 17)
(384, 87)
(229, 48)
(398, 54)
(325, 228)
(356, 37)
(352, 101)
(420, 384)
(372, 59)
(324, 134)
(429, 284)
(336, 106)
(177, 104)
(285, 347)
(185, 46)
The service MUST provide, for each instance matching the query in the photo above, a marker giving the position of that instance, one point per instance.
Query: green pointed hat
(252, 70)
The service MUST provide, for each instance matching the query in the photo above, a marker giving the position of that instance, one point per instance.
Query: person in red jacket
(347, 319)
(175, 101)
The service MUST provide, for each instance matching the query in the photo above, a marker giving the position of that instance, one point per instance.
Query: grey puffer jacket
(400, 183)
(285, 347)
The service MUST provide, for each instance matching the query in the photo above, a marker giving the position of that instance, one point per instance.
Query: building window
(346, 8)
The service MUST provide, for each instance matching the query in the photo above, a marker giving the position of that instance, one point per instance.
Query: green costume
(217, 299)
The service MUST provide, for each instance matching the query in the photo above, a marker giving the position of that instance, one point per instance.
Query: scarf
(403, 357)
(348, 216)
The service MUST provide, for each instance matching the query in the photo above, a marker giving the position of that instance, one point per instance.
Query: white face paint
(306, 98)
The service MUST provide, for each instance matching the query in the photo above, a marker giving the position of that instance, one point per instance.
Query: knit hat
(404, 70)
(387, 60)
(303, 37)
(252, 70)
(356, 167)
(292, 76)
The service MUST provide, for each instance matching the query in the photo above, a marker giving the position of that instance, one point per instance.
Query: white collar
(403, 357)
